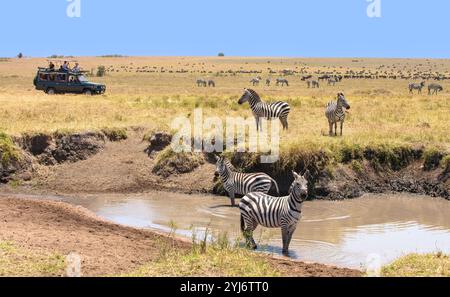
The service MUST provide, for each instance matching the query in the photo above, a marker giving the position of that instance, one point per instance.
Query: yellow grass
(382, 111)
(419, 265)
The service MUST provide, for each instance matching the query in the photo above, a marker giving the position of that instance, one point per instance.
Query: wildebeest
(283, 82)
(201, 83)
(306, 77)
(324, 77)
(434, 89)
(418, 87)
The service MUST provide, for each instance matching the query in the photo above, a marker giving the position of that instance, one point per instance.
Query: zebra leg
(331, 128)
(248, 235)
(285, 123)
(342, 126)
(285, 237)
(233, 198)
(335, 129)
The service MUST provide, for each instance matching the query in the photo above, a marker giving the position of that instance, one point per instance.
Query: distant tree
(221, 55)
(101, 70)
(20, 56)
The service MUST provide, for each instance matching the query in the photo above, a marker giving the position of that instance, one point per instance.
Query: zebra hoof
(255, 247)
(286, 253)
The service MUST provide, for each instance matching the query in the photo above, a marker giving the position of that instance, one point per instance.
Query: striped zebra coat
(242, 183)
(268, 111)
(274, 212)
(335, 113)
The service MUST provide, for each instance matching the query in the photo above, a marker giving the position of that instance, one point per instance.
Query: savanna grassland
(151, 92)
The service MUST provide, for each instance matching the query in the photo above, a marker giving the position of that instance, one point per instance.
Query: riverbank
(49, 230)
(135, 161)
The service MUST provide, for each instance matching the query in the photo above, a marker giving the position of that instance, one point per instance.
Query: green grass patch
(16, 261)
(419, 266)
(8, 151)
(115, 134)
(168, 162)
(216, 258)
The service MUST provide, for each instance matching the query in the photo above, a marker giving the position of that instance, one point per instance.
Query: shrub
(432, 158)
(221, 55)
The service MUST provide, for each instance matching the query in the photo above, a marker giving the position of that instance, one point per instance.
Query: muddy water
(341, 233)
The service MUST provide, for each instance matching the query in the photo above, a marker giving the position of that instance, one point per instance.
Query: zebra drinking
(269, 111)
(434, 89)
(242, 183)
(335, 113)
(274, 212)
(417, 87)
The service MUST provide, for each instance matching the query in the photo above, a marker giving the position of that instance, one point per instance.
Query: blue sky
(297, 28)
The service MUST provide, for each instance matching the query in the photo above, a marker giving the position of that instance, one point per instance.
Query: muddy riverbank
(106, 248)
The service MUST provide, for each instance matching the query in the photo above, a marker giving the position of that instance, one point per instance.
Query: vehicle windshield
(82, 78)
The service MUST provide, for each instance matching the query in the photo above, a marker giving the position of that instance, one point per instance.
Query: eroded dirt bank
(105, 248)
(128, 162)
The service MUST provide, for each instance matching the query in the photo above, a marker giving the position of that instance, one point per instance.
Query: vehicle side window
(62, 77)
(43, 76)
(73, 79)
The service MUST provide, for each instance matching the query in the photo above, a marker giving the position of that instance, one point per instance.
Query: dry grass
(419, 265)
(382, 111)
(16, 261)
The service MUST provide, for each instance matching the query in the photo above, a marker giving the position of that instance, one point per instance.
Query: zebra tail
(276, 186)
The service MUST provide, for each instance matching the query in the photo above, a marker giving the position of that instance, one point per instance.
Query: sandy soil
(121, 167)
(105, 248)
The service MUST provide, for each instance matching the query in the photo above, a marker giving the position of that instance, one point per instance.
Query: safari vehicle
(61, 82)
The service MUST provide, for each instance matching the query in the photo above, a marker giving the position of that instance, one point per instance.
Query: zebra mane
(254, 95)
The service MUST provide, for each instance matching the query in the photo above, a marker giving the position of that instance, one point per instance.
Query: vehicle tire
(87, 92)
(51, 91)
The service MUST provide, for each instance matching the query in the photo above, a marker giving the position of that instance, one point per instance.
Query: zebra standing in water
(242, 183)
(261, 109)
(274, 212)
(417, 87)
(335, 113)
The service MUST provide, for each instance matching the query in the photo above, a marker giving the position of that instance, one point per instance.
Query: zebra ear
(217, 158)
(295, 174)
(306, 175)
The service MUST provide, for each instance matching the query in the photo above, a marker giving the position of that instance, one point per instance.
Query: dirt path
(121, 167)
(105, 248)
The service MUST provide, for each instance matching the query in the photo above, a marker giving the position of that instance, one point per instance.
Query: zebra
(282, 81)
(335, 113)
(313, 83)
(434, 89)
(255, 81)
(269, 111)
(202, 83)
(332, 81)
(324, 77)
(242, 183)
(211, 83)
(268, 81)
(306, 77)
(274, 212)
(417, 87)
